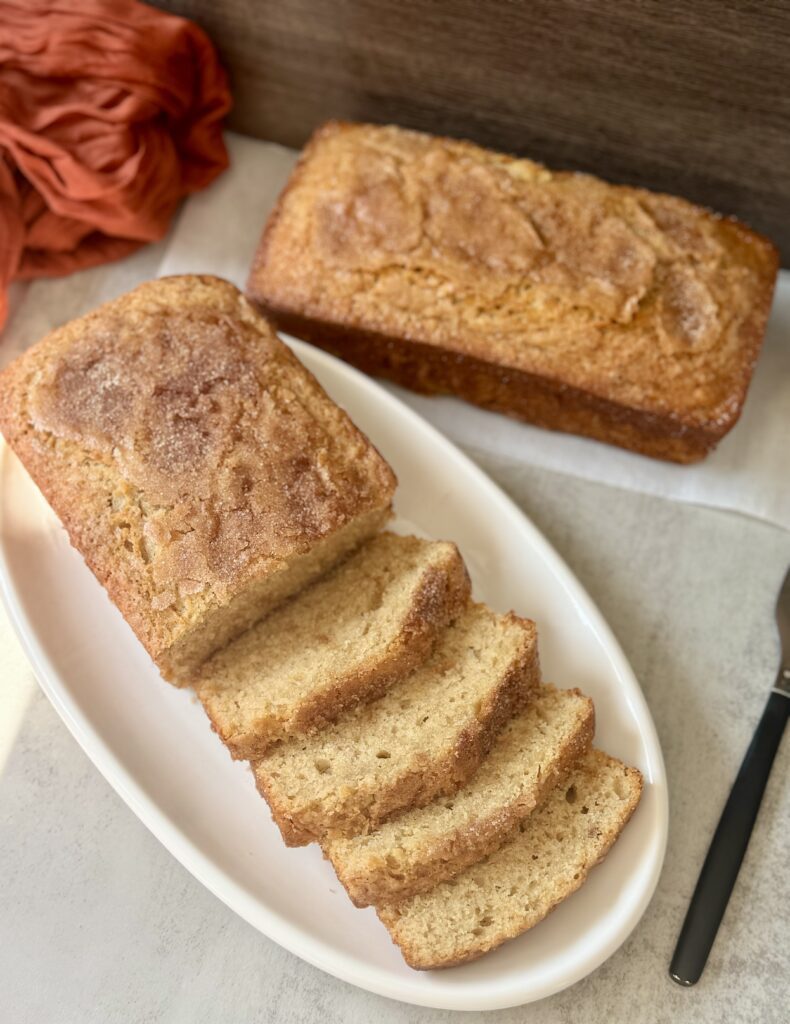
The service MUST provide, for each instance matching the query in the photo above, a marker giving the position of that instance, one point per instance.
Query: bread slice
(629, 316)
(198, 467)
(417, 850)
(516, 887)
(423, 737)
(348, 637)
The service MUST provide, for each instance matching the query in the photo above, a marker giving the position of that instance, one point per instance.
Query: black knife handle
(728, 845)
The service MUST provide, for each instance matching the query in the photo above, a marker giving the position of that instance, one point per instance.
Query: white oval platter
(154, 745)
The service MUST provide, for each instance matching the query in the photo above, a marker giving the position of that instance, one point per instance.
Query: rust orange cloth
(110, 112)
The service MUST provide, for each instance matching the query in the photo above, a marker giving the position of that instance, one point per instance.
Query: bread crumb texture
(420, 848)
(423, 737)
(347, 638)
(516, 887)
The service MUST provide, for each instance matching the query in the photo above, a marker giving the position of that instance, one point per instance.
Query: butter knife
(731, 838)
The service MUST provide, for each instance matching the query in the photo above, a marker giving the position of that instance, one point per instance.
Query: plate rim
(268, 921)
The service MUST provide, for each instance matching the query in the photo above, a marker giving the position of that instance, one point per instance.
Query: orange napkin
(110, 112)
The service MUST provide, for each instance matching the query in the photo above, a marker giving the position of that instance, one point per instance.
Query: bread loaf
(198, 468)
(628, 316)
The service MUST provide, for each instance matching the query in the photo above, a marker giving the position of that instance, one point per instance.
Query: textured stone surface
(99, 924)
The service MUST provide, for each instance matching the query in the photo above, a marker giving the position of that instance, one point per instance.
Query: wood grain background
(691, 98)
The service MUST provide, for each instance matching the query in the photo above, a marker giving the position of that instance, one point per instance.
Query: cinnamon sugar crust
(390, 247)
(198, 467)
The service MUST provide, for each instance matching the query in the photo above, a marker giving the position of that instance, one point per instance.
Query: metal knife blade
(782, 684)
(731, 837)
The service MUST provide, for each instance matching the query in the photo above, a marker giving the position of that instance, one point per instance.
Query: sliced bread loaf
(417, 850)
(197, 466)
(423, 737)
(348, 637)
(516, 887)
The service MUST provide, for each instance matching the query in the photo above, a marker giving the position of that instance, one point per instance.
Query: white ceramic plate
(153, 743)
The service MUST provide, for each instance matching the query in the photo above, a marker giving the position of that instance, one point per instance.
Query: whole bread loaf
(628, 316)
(200, 470)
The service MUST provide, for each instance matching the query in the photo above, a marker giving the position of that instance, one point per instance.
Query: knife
(731, 838)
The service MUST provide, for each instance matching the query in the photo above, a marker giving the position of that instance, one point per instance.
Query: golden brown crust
(426, 777)
(442, 595)
(292, 832)
(465, 845)
(187, 452)
(603, 310)
(523, 396)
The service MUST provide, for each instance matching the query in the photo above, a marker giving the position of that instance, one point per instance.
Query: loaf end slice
(425, 736)
(349, 637)
(417, 850)
(518, 885)
(198, 467)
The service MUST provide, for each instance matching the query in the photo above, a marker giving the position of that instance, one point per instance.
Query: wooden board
(689, 98)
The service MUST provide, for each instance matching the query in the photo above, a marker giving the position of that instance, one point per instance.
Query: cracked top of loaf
(186, 450)
(639, 298)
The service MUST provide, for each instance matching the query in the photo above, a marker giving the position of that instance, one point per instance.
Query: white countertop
(99, 924)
